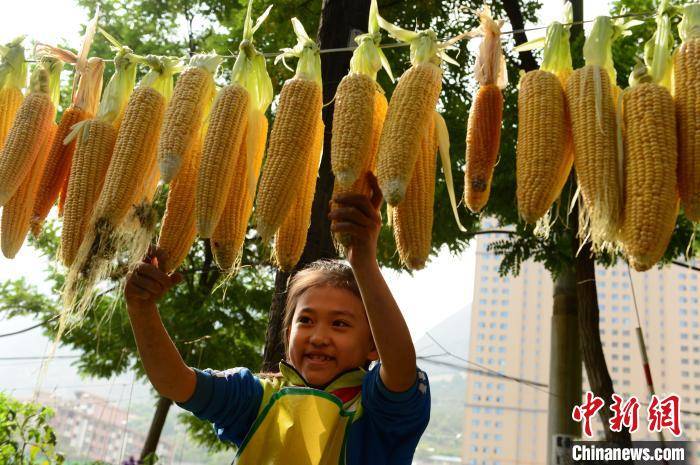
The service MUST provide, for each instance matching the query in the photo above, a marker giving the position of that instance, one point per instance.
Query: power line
(14, 333)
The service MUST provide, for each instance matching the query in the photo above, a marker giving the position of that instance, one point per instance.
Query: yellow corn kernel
(651, 190)
(291, 236)
(413, 218)
(483, 142)
(57, 167)
(227, 127)
(410, 112)
(352, 127)
(18, 211)
(595, 152)
(288, 153)
(29, 131)
(686, 71)
(544, 155)
(183, 119)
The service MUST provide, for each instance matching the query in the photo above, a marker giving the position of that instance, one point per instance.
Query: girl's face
(329, 334)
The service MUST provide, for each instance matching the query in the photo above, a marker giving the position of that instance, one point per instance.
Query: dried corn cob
(413, 218)
(291, 236)
(589, 95)
(410, 110)
(361, 185)
(177, 231)
(13, 78)
(544, 150)
(651, 156)
(94, 147)
(192, 97)
(58, 165)
(686, 71)
(291, 137)
(88, 168)
(227, 239)
(18, 211)
(227, 125)
(484, 125)
(30, 128)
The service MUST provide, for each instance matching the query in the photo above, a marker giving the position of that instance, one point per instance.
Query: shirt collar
(349, 378)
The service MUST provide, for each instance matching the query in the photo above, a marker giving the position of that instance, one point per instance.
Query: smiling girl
(326, 405)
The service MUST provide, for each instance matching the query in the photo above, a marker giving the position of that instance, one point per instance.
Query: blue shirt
(386, 433)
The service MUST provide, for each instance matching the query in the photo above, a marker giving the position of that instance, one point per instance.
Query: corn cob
(413, 218)
(485, 115)
(227, 126)
(686, 72)
(288, 153)
(62, 196)
(361, 185)
(192, 97)
(651, 190)
(177, 231)
(88, 168)
(18, 211)
(13, 77)
(543, 161)
(133, 151)
(30, 128)
(352, 127)
(58, 165)
(291, 236)
(227, 239)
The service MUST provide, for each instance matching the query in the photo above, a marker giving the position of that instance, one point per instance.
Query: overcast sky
(426, 298)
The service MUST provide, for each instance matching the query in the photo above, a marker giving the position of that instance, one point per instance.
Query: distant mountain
(453, 334)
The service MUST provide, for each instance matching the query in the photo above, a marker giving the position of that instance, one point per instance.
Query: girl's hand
(147, 282)
(358, 216)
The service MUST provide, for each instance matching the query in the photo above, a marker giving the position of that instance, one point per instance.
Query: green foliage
(26, 438)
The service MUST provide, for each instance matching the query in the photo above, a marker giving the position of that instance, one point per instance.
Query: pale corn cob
(544, 157)
(361, 184)
(18, 211)
(413, 218)
(687, 101)
(192, 95)
(177, 231)
(409, 113)
(291, 236)
(595, 152)
(29, 131)
(483, 142)
(57, 167)
(227, 239)
(651, 190)
(352, 127)
(288, 153)
(88, 169)
(134, 154)
(227, 126)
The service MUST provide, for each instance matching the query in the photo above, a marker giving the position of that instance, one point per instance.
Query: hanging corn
(686, 72)
(650, 186)
(13, 78)
(291, 139)
(544, 150)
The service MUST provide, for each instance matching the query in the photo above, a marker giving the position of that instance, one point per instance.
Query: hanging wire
(404, 44)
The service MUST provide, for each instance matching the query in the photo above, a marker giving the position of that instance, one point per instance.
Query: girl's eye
(304, 319)
(340, 322)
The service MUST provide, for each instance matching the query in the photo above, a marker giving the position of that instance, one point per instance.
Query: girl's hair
(320, 273)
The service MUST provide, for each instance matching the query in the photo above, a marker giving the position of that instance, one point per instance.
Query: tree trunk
(161, 413)
(341, 21)
(515, 16)
(564, 361)
(591, 347)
